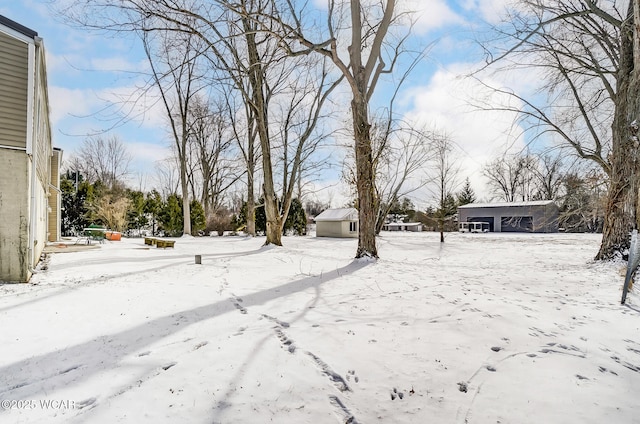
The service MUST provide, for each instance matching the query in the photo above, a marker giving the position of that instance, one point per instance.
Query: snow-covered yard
(487, 328)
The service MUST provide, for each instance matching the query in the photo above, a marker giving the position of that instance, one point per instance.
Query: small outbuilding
(521, 217)
(402, 226)
(342, 222)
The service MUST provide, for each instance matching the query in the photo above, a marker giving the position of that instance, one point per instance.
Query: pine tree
(466, 195)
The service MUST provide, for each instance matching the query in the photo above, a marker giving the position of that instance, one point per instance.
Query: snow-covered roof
(505, 204)
(340, 214)
(405, 224)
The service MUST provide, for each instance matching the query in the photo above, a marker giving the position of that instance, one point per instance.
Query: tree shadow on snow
(66, 288)
(52, 371)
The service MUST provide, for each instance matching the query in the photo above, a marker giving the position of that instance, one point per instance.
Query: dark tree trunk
(364, 179)
(622, 202)
(257, 82)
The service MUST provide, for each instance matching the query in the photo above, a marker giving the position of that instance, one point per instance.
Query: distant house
(337, 223)
(531, 217)
(29, 166)
(402, 226)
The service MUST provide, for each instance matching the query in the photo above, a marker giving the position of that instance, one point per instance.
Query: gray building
(523, 217)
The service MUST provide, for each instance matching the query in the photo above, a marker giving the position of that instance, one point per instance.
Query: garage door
(517, 224)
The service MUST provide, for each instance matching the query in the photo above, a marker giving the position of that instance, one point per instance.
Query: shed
(402, 226)
(342, 222)
(525, 217)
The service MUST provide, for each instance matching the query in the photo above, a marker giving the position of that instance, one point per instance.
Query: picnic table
(91, 234)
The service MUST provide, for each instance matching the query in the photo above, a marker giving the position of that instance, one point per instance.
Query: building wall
(43, 151)
(14, 71)
(545, 217)
(14, 210)
(55, 197)
(25, 153)
(334, 229)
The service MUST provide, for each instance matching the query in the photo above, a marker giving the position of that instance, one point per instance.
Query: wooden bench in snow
(150, 241)
(165, 243)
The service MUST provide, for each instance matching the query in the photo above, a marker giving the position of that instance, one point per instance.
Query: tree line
(273, 66)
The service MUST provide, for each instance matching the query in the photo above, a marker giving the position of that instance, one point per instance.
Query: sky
(86, 71)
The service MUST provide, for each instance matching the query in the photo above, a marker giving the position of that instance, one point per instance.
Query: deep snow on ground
(486, 328)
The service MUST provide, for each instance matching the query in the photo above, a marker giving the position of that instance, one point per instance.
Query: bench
(150, 241)
(165, 243)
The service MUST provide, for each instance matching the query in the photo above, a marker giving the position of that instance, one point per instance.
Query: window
(353, 227)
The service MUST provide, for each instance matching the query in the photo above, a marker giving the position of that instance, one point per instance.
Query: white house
(337, 223)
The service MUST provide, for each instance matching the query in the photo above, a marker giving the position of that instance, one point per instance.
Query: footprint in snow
(395, 393)
(236, 302)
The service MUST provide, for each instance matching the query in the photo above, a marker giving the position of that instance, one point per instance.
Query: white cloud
(491, 11)
(430, 15)
(66, 102)
(481, 135)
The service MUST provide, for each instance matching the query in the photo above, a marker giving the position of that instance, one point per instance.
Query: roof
(506, 204)
(341, 214)
(402, 224)
(17, 27)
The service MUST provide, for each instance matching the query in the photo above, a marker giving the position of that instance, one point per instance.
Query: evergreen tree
(75, 203)
(152, 207)
(466, 195)
(136, 216)
(170, 216)
(296, 219)
(198, 221)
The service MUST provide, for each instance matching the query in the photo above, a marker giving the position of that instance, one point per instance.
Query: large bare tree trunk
(257, 82)
(364, 178)
(186, 207)
(251, 201)
(622, 203)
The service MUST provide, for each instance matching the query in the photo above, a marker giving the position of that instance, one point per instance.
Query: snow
(527, 324)
(341, 214)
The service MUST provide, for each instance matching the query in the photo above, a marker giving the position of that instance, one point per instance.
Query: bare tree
(167, 176)
(590, 52)
(622, 203)
(399, 155)
(506, 176)
(112, 210)
(240, 43)
(548, 171)
(444, 175)
(173, 58)
(301, 107)
(103, 159)
(583, 202)
(211, 159)
(258, 26)
(359, 44)
(242, 124)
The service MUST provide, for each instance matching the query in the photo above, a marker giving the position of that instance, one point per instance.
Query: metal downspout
(32, 151)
